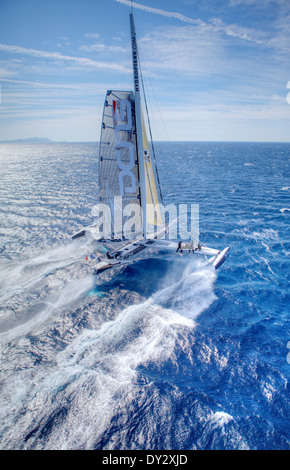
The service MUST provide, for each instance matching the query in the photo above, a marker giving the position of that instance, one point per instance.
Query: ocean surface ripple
(163, 353)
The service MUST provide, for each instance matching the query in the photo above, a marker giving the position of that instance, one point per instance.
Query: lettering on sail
(122, 114)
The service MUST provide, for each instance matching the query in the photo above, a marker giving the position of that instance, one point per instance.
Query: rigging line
(157, 104)
(159, 111)
(150, 132)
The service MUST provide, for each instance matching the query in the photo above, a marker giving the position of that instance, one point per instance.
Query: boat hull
(220, 259)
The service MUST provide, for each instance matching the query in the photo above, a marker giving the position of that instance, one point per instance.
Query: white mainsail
(119, 180)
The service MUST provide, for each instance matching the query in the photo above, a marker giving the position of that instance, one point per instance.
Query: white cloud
(182, 49)
(5, 73)
(68, 86)
(222, 120)
(198, 52)
(65, 41)
(258, 3)
(56, 56)
(103, 48)
(236, 31)
(262, 60)
(92, 35)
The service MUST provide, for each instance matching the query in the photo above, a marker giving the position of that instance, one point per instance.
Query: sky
(214, 70)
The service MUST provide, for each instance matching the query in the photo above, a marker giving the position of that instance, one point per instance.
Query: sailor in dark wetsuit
(179, 247)
(109, 256)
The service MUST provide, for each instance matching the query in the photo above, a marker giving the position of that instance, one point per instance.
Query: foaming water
(34, 286)
(188, 290)
(97, 371)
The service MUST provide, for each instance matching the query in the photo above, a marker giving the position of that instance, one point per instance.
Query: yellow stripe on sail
(153, 217)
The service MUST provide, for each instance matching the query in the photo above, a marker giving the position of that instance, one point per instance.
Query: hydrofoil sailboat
(129, 184)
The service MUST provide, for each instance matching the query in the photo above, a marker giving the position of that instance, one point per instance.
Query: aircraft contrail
(169, 14)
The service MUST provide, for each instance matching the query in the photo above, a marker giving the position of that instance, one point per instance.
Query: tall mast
(138, 114)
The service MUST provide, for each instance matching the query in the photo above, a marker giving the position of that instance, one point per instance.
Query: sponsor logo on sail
(122, 114)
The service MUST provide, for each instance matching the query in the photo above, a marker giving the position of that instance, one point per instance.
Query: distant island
(31, 140)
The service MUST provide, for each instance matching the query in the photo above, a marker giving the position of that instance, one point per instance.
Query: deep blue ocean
(161, 354)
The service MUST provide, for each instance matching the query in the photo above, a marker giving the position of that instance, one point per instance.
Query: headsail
(153, 217)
